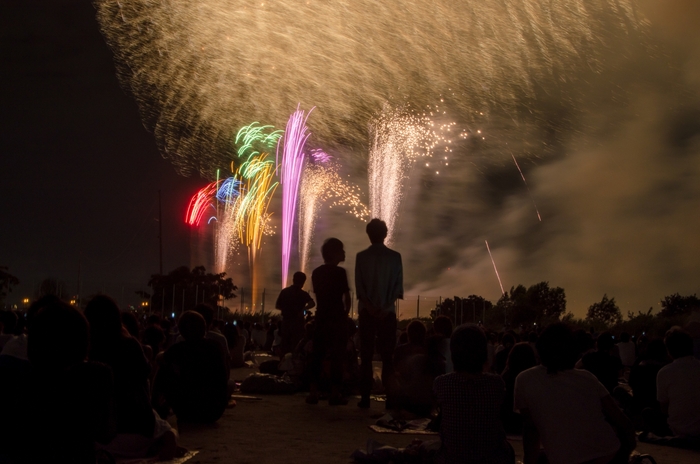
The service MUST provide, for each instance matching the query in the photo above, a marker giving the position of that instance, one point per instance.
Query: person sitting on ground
(213, 333)
(139, 432)
(416, 333)
(193, 378)
(603, 363)
(678, 384)
(470, 402)
(521, 358)
(236, 343)
(293, 302)
(502, 356)
(153, 335)
(69, 403)
(330, 284)
(8, 321)
(270, 329)
(627, 349)
(443, 330)
(642, 381)
(568, 411)
(259, 336)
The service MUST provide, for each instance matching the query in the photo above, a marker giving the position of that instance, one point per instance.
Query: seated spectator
(192, 379)
(259, 336)
(470, 404)
(491, 351)
(213, 333)
(642, 378)
(443, 330)
(154, 335)
(603, 363)
(521, 357)
(131, 324)
(69, 403)
(678, 385)
(568, 411)
(139, 432)
(16, 347)
(627, 349)
(502, 356)
(8, 321)
(415, 376)
(416, 331)
(236, 343)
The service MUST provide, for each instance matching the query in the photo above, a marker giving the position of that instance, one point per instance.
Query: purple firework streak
(295, 137)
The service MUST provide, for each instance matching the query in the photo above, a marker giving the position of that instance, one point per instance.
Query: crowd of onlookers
(79, 386)
(106, 381)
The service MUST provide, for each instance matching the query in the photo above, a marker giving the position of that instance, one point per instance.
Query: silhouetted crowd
(103, 384)
(76, 387)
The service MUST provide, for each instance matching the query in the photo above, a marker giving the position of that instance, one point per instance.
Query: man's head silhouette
(377, 230)
(299, 279)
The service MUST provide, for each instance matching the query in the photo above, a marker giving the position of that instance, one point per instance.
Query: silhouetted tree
(605, 311)
(7, 282)
(536, 304)
(675, 305)
(185, 287)
(461, 310)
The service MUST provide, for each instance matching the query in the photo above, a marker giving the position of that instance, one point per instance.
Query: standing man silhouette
(379, 283)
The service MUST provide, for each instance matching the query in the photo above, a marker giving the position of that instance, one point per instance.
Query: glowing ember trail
(295, 137)
(494, 267)
(527, 187)
(199, 202)
(321, 183)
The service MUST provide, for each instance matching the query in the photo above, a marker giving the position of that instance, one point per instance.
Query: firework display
(199, 70)
(322, 184)
(374, 71)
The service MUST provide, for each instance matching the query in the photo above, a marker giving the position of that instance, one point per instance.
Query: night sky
(619, 191)
(80, 174)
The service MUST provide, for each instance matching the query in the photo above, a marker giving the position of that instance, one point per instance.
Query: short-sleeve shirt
(292, 301)
(567, 412)
(330, 283)
(471, 429)
(678, 384)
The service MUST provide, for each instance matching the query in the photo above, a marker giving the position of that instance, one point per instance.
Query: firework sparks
(527, 187)
(494, 267)
(322, 184)
(189, 63)
(199, 203)
(399, 137)
(295, 137)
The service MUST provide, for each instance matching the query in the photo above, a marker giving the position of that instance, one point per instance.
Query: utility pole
(160, 232)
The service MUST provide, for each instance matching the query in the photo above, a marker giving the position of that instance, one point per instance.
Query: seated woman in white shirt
(568, 411)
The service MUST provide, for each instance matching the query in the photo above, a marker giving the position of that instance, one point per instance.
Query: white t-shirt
(627, 353)
(678, 384)
(567, 411)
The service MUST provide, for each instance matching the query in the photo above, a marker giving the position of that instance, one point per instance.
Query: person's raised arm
(310, 304)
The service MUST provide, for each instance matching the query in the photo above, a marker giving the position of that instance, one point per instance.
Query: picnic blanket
(675, 442)
(418, 452)
(267, 383)
(390, 424)
(189, 455)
